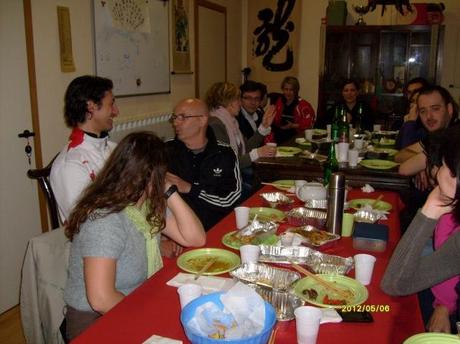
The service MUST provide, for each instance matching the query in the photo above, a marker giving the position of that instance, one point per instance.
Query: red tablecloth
(154, 307)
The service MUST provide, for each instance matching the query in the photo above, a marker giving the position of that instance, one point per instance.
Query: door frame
(211, 6)
(29, 33)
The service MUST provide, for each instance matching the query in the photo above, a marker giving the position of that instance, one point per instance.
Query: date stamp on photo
(366, 308)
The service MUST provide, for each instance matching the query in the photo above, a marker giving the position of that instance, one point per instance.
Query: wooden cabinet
(381, 58)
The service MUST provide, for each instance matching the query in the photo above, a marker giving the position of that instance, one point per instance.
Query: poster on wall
(273, 40)
(181, 38)
(132, 45)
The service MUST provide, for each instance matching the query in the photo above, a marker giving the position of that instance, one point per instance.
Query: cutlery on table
(205, 268)
(377, 200)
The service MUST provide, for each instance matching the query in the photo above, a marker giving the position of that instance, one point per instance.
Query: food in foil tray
(302, 216)
(367, 216)
(255, 233)
(318, 262)
(275, 199)
(316, 203)
(314, 237)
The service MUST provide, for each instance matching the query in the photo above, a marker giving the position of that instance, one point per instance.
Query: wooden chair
(42, 176)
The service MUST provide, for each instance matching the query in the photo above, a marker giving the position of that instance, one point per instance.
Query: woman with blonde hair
(115, 229)
(223, 100)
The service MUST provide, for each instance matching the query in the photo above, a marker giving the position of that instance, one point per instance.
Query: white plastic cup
(249, 254)
(188, 292)
(328, 129)
(364, 266)
(242, 217)
(359, 144)
(342, 151)
(307, 321)
(309, 134)
(271, 144)
(353, 155)
(377, 127)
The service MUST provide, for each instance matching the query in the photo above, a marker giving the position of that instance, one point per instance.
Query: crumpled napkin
(155, 339)
(367, 188)
(379, 214)
(241, 305)
(330, 315)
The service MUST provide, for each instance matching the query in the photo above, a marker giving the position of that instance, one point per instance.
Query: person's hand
(182, 185)
(412, 115)
(436, 204)
(421, 181)
(289, 125)
(269, 115)
(170, 248)
(439, 321)
(266, 151)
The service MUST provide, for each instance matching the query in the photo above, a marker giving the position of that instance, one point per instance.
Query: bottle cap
(337, 181)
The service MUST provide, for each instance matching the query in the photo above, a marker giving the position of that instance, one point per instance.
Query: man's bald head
(190, 122)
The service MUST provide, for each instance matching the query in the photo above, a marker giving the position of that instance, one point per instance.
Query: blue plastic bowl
(189, 311)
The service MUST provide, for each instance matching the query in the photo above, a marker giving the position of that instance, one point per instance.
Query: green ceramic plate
(194, 260)
(389, 151)
(432, 338)
(287, 151)
(377, 164)
(231, 241)
(303, 142)
(384, 142)
(284, 185)
(266, 214)
(380, 205)
(359, 292)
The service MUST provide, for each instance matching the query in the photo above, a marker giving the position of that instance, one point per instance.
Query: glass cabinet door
(393, 57)
(418, 61)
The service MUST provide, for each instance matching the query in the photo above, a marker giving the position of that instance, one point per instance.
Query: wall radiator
(158, 123)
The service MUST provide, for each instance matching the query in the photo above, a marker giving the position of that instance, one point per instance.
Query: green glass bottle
(359, 119)
(331, 165)
(335, 124)
(344, 128)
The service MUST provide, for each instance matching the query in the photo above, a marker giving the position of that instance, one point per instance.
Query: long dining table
(154, 307)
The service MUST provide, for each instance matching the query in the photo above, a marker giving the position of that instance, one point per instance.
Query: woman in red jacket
(293, 114)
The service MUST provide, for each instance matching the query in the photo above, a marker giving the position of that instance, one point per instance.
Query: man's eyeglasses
(181, 117)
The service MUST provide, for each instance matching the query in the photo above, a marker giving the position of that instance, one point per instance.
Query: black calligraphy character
(279, 30)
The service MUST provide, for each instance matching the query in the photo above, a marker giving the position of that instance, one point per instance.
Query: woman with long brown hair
(115, 229)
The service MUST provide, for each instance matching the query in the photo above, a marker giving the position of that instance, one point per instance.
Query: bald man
(204, 170)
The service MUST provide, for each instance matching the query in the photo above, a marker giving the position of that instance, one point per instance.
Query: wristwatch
(172, 189)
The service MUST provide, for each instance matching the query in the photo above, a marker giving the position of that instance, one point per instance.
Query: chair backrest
(42, 175)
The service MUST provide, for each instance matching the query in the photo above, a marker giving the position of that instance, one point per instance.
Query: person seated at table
(223, 100)
(293, 114)
(205, 170)
(115, 229)
(89, 109)
(412, 129)
(250, 116)
(410, 270)
(350, 92)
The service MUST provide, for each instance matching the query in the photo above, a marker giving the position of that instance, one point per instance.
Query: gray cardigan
(221, 135)
(409, 272)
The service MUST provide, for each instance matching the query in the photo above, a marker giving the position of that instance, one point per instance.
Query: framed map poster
(132, 45)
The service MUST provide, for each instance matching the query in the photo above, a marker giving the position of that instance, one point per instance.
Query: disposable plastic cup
(328, 130)
(271, 144)
(342, 151)
(347, 224)
(364, 266)
(359, 144)
(377, 127)
(307, 321)
(189, 292)
(309, 134)
(249, 253)
(353, 155)
(242, 217)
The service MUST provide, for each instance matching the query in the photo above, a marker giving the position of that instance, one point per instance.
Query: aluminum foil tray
(302, 216)
(275, 199)
(265, 276)
(284, 302)
(316, 203)
(256, 227)
(319, 262)
(312, 236)
(367, 216)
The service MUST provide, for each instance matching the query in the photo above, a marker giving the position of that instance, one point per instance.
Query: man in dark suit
(250, 116)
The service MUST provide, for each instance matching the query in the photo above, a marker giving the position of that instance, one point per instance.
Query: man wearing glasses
(250, 116)
(204, 170)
